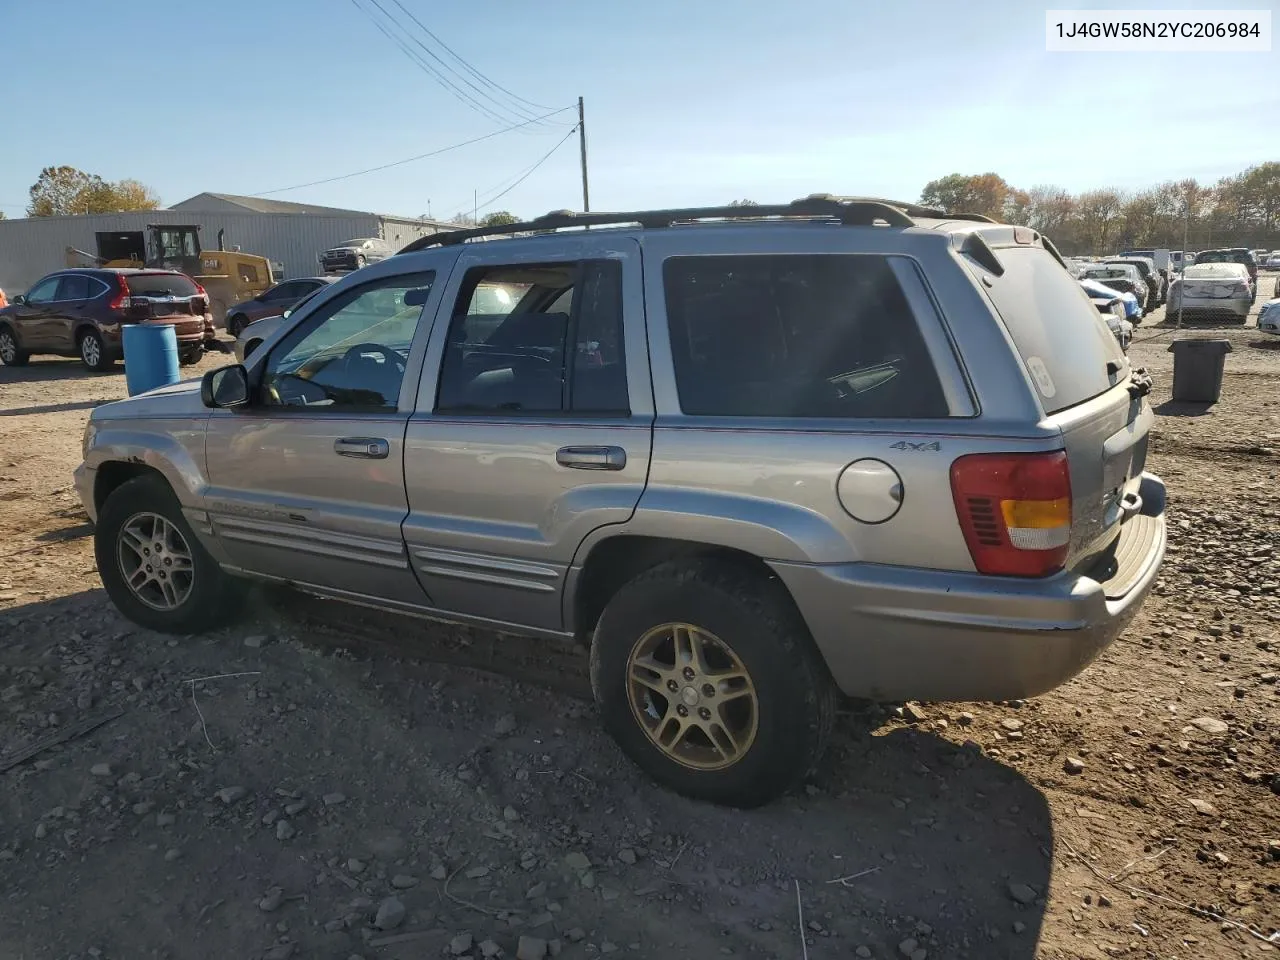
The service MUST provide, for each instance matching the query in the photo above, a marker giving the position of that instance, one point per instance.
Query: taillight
(121, 300)
(199, 287)
(1015, 511)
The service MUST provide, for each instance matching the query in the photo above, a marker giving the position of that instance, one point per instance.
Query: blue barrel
(150, 356)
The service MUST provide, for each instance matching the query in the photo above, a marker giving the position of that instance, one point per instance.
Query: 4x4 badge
(931, 447)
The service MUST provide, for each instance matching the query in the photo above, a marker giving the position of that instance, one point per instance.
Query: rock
(510, 814)
(1073, 765)
(460, 944)
(488, 948)
(333, 799)
(531, 948)
(439, 872)
(1203, 807)
(1019, 927)
(608, 947)
(1104, 900)
(554, 947)
(356, 866)
(1022, 893)
(965, 720)
(627, 856)
(271, 900)
(391, 914)
(475, 873)
(863, 952)
(281, 951)
(230, 795)
(577, 861)
(912, 713)
(536, 892)
(165, 819)
(295, 808)
(1210, 725)
(172, 854)
(142, 808)
(285, 830)
(403, 881)
(1011, 724)
(505, 725)
(908, 947)
(576, 935)
(255, 641)
(101, 770)
(1273, 849)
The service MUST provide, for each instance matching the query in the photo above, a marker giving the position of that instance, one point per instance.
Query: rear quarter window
(1059, 334)
(797, 336)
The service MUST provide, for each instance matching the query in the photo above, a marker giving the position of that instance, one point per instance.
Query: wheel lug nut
(688, 673)
(704, 713)
(682, 710)
(672, 686)
(708, 690)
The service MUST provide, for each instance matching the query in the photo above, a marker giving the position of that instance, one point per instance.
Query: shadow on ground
(1181, 408)
(43, 371)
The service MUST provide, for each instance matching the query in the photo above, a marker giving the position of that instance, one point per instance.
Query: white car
(1273, 260)
(1212, 291)
(1269, 318)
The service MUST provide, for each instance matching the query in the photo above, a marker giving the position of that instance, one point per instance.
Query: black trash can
(1197, 369)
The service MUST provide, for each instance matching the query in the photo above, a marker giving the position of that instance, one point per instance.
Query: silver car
(748, 458)
(1211, 291)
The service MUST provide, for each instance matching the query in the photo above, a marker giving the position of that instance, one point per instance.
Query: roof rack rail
(850, 211)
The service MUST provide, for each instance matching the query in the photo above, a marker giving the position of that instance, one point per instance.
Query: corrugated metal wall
(30, 248)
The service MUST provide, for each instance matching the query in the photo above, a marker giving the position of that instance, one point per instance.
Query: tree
(743, 203)
(499, 218)
(61, 191)
(983, 193)
(3, 216)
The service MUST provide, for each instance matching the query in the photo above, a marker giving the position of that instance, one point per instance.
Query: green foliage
(62, 191)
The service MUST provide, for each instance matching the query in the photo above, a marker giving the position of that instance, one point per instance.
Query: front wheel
(10, 355)
(190, 357)
(93, 353)
(236, 325)
(708, 680)
(153, 568)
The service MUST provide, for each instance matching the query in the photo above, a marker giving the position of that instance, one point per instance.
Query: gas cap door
(870, 490)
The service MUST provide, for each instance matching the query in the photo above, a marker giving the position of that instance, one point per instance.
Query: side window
(556, 348)
(814, 336)
(46, 291)
(351, 354)
(285, 291)
(74, 286)
(248, 272)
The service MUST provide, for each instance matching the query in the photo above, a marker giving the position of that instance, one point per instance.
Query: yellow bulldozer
(228, 276)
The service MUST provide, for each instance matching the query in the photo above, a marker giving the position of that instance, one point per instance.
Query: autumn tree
(61, 191)
(499, 218)
(983, 193)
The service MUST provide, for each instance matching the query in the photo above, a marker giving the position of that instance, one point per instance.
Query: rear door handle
(592, 458)
(366, 448)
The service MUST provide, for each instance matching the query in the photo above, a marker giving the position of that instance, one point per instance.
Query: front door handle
(366, 448)
(592, 458)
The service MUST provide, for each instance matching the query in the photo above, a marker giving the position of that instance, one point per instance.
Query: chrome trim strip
(324, 543)
(480, 561)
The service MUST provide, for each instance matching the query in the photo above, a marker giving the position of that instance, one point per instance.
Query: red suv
(80, 313)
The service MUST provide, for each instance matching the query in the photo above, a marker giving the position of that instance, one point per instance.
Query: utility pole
(582, 150)
(475, 208)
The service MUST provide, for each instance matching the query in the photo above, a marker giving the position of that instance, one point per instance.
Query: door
(67, 311)
(31, 318)
(533, 425)
(307, 482)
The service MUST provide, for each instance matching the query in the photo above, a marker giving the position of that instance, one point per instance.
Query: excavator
(228, 276)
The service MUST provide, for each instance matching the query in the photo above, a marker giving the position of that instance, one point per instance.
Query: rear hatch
(154, 296)
(1222, 287)
(1086, 389)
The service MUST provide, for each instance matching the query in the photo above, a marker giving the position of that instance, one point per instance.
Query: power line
(466, 66)
(529, 172)
(420, 156)
(422, 64)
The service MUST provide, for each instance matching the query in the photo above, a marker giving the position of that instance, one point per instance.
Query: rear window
(160, 285)
(1062, 340)
(814, 336)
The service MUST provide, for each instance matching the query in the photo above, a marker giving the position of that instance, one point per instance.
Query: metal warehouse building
(288, 234)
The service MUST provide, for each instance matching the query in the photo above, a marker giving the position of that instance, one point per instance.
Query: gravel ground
(376, 787)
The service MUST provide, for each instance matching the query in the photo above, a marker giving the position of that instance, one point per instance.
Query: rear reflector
(1015, 511)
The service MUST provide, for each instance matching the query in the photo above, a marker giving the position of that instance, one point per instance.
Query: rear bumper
(1211, 307)
(901, 633)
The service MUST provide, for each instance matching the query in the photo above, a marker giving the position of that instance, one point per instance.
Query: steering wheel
(354, 354)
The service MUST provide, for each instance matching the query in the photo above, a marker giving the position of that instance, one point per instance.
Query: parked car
(751, 468)
(354, 254)
(1269, 317)
(272, 302)
(252, 336)
(1233, 255)
(1123, 277)
(1157, 284)
(1212, 290)
(1130, 309)
(82, 313)
(1273, 261)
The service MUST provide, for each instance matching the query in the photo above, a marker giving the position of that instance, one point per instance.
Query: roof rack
(850, 211)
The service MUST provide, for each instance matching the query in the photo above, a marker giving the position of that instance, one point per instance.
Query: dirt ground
(377, 787)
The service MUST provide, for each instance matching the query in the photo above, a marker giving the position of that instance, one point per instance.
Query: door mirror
(19, 300)
(225, 387)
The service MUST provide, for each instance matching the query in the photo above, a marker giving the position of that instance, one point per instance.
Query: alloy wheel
(8, 347)
(155, 561)
(693, 696)
(90, 351)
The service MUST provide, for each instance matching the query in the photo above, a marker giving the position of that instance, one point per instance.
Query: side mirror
(19, 300)
(225, 387)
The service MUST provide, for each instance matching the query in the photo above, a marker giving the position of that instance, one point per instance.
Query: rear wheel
(190, 356)
(708, 680)
(154, 569)
(10, 355)
(236, 325)
(93, 353)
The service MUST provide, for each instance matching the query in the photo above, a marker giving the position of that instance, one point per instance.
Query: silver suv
(749, 457)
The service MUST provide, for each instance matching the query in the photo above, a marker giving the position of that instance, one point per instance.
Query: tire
(236, 325)
(188, 358)
(199, 596)
(93, 352)
(10, 355)
(784, 710)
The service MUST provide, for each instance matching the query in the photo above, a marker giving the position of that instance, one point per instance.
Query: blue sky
(687, 102)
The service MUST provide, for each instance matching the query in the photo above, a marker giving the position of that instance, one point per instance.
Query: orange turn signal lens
(1037, 514)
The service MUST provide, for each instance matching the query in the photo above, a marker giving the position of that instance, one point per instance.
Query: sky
(687, 103)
